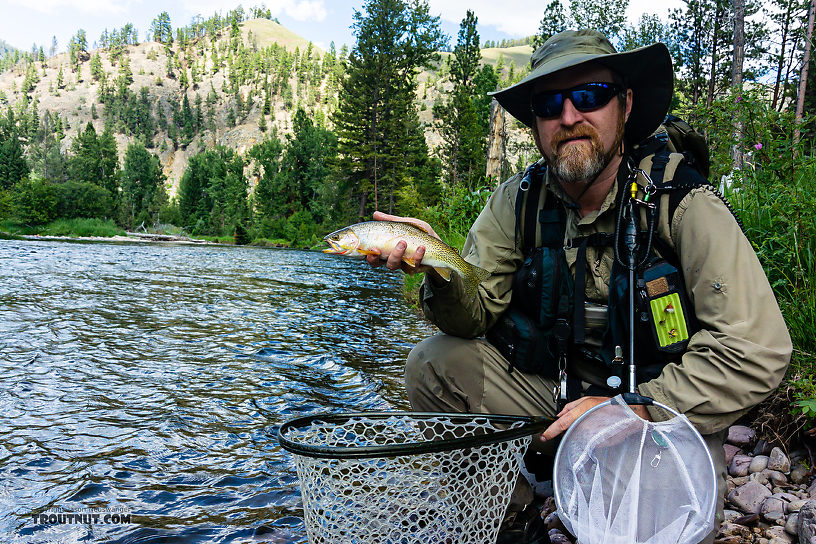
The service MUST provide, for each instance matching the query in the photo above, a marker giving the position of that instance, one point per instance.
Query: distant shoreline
(131, 237)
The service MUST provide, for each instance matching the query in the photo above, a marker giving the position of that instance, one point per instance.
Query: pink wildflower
(757, 146)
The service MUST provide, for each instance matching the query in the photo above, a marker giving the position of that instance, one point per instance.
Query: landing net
(406, 477)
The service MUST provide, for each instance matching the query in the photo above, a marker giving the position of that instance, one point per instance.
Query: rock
(773, 504)
(748, 519)
(557, 537)
(740, 480)
(790, 525)
(762, 447)
(758, 464)
(552, 521)
(732, 529)
(739, 465)
(779, 461)
(795, 506)
(740, 435)
(812, 490)
(778, 535)
(799, 474)
(749, 497)
(806, 524)
(734, 539)
(777, 518)
(730, 451)
(759, 477)
(731, 515)
(775, 477)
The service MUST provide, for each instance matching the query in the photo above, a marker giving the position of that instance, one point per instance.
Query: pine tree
(142, 186)
(554, 21)
(394, 38)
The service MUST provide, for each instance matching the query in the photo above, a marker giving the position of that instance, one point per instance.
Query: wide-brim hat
(646, 70)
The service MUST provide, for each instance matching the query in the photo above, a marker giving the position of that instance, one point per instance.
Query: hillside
(227, 79)
(5, 48)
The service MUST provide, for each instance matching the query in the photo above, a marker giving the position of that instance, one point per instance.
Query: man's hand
(393, 261)
(575, 409)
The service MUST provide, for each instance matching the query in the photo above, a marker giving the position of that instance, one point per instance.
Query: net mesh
(622, 480)
(453, 496)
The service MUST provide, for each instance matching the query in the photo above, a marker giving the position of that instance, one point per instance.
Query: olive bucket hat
(646, 70)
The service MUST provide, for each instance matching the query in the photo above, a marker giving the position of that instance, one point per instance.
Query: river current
(149, 380)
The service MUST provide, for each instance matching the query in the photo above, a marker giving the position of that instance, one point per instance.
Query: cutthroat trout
(381, 237)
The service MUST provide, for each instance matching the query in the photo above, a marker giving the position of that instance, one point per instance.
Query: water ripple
(152, 378)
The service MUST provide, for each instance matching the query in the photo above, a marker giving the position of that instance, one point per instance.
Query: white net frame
(619, 479)
(429, 498)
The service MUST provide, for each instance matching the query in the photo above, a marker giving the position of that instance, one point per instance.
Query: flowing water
(145, 383)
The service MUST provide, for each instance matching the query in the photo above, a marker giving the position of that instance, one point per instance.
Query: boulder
(795, 506)
(772, 504)
(740, 435)
(739, 465)
(779, 461)
(758, 464)
(806, 523)
(749, 497)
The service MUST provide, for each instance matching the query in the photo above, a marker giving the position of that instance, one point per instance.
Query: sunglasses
(585, 97)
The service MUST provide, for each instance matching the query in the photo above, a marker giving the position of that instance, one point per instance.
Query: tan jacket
(738, 358)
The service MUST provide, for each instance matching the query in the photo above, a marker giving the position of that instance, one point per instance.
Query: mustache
(580, 131)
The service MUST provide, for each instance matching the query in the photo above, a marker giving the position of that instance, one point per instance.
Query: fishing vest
(545, 321)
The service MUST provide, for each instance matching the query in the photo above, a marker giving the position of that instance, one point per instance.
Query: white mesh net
(622, 480)
(429, 498)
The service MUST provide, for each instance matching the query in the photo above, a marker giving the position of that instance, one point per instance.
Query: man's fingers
(395, 257)
(381, 216)
(561, 424)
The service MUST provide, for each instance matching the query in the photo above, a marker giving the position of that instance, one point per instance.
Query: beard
(574, 163)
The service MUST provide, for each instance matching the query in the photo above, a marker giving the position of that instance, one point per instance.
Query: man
(587, 106)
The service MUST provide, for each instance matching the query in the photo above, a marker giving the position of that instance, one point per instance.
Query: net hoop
(560, 457)
(521, 426)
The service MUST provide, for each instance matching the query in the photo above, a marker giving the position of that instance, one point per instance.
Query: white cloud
(522, 19)
(87, 6)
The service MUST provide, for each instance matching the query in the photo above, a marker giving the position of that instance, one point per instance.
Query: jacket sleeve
(491, 245)
(742, 351)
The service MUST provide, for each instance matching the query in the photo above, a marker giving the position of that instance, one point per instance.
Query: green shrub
(83, 199)
(35, 202)
(85, 227)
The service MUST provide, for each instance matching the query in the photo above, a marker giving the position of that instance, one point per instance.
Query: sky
(26, 22)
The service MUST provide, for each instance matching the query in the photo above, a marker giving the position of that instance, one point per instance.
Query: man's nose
(569, 114)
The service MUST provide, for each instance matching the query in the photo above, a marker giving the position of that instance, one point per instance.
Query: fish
(381, 237)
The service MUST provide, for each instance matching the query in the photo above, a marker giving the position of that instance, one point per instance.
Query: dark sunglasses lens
(586, 97)
(547, 104)
(592, 96)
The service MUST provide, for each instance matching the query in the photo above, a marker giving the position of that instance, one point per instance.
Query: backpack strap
(530, 185)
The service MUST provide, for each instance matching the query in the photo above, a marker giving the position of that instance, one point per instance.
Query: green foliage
(377, 113)
(143, 192)
(213, 192)
(82, 199)
(35, 202)
(82, 227)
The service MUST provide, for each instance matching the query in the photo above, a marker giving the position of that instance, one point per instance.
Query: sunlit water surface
(152, 378)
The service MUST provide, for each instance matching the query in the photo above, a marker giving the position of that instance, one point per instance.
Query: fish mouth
(335, 248)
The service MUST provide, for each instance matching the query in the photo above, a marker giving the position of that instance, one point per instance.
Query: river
(148, 381)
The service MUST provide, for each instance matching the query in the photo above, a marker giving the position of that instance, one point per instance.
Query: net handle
(530, 426)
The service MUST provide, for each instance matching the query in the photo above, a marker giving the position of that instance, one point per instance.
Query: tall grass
(104, 228)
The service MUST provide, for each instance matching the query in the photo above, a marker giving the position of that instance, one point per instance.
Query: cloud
(520, 20)
(299, 10)
(87, 6)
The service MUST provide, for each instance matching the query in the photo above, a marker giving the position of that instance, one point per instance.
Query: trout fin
(410, 262)
(473, 278)
(368, 251)
(444, 272)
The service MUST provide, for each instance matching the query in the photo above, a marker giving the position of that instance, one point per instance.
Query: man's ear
(629, 99)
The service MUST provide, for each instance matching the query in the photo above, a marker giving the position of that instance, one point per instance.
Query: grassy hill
(228, 75)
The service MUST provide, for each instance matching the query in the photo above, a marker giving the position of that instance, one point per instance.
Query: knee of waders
(442, 372)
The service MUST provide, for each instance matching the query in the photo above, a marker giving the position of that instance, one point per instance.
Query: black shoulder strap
(530, 185)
